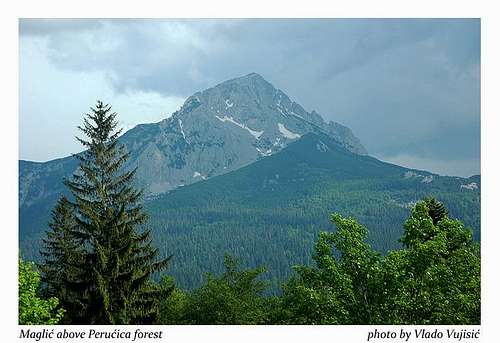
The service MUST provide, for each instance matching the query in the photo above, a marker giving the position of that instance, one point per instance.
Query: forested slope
(270, 212)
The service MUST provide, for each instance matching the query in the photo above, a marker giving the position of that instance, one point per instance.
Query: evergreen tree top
(99, 126)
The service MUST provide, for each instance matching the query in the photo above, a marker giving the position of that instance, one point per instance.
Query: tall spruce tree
(62, 255)
(56, 248)
(118, 258)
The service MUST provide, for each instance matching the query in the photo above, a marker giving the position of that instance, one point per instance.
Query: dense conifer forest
(270, 212)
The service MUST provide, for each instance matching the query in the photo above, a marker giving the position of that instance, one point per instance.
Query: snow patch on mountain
(281, 111)
(254, 133)
(427, 179)
(409, 174)
(297, 115)
(198, 174)
(279, 107)
(263, 152)
(471, 186)
(287, 133)
(182, 130)
(278, 142)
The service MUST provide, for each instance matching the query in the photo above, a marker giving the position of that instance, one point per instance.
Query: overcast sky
(409, 89)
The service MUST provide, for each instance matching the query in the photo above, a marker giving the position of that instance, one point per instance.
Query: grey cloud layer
(403, 86)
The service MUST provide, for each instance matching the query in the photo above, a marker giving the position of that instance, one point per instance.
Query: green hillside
(269, 213)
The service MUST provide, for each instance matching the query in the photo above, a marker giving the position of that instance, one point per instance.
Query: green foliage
(173, 308)
(96, 258)
(435, 280)
(341, 289)
(235, 297)
(32, 308)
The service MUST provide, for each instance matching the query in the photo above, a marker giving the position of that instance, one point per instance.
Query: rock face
(216, 131)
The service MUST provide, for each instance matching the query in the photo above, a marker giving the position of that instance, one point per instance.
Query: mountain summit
(222, 129)
(216, 131)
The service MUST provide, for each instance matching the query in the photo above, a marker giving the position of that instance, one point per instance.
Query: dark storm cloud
(180, 55)
(403, 86)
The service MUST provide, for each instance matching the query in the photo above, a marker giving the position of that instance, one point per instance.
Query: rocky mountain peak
(219, 130)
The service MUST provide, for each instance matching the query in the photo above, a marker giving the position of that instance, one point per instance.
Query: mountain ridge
(237, 122)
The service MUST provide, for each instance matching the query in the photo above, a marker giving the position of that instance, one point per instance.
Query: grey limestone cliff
(216, 131)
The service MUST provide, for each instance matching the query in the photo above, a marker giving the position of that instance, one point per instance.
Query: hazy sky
(409, 89)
